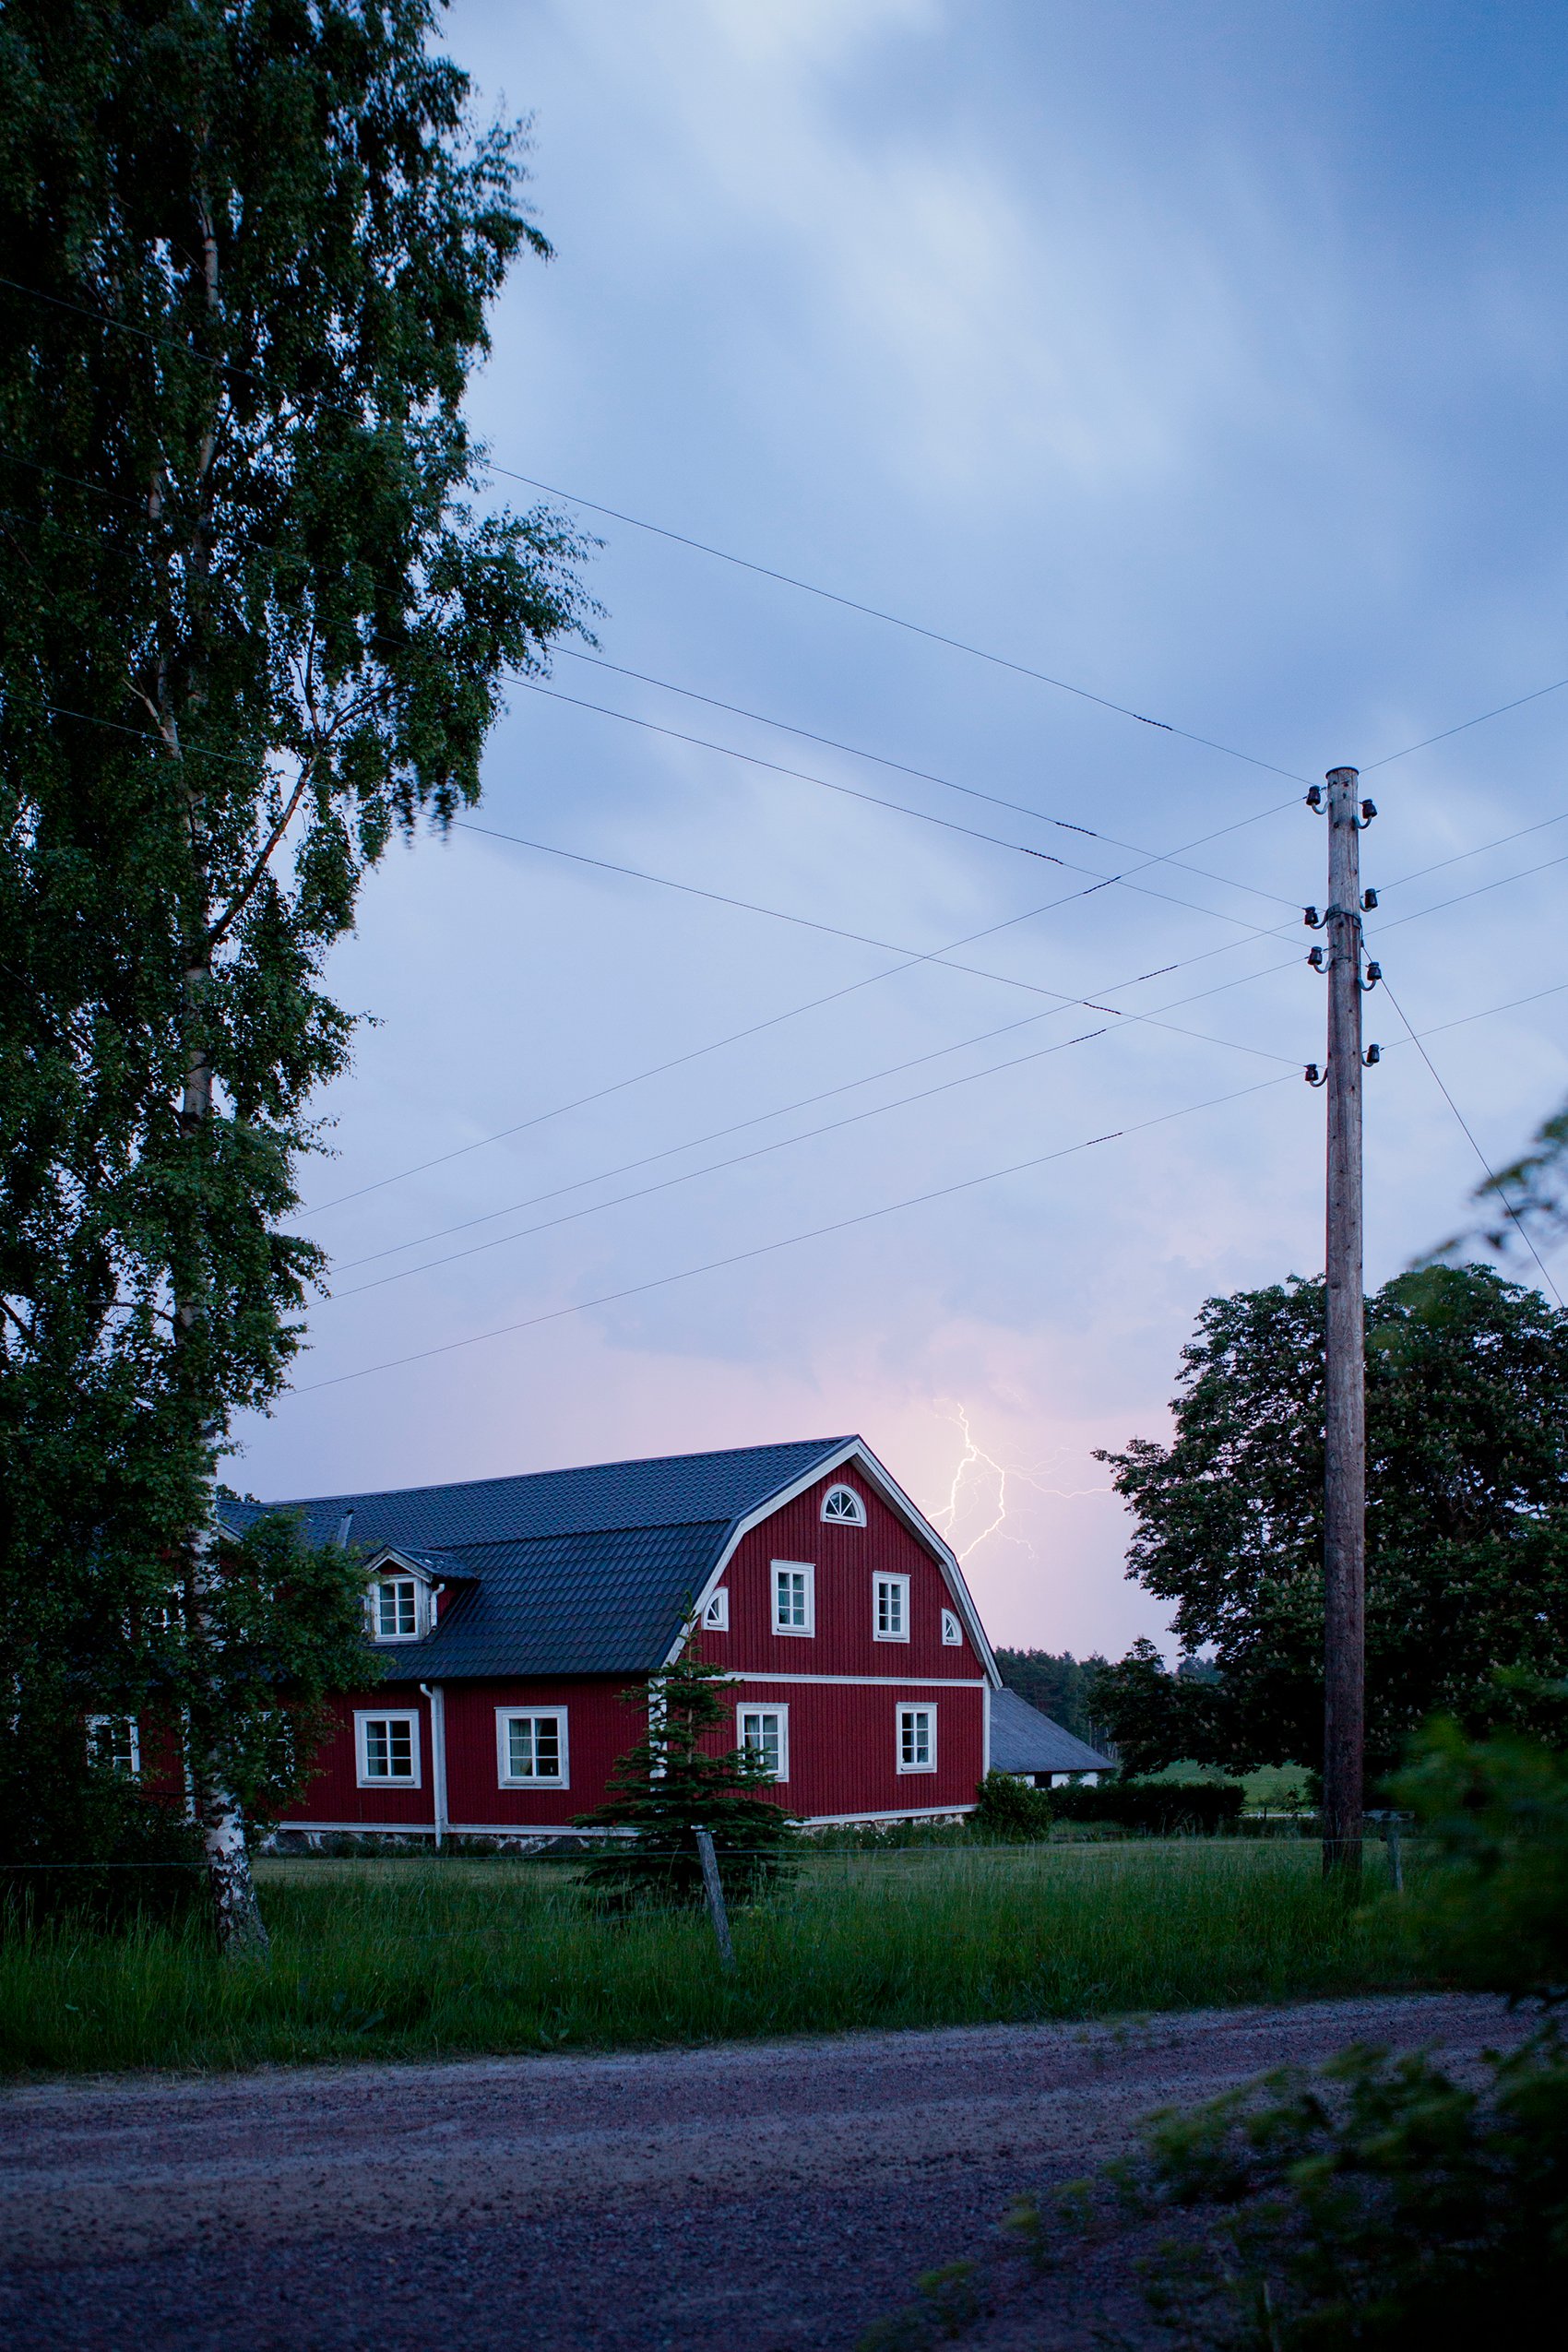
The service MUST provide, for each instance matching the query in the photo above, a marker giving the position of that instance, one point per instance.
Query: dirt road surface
(763, 2197)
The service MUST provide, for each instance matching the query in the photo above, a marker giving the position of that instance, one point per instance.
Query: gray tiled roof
(1022, 1740)
(576, 1572)
(606, 1603)
(670, 1490)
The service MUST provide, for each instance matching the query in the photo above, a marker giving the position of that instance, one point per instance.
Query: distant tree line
(1060, 1685)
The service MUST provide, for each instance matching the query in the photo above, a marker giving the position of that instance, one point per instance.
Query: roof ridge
(570, 1469)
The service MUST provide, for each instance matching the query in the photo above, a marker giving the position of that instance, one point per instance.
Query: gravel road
(748, 2198)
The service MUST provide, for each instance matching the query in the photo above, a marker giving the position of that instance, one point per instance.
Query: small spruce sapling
(674, 1782)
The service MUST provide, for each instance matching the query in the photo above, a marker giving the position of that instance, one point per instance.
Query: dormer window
(394, 1609)
(842, 1507)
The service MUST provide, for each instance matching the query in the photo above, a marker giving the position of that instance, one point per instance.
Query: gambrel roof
(591, 1571)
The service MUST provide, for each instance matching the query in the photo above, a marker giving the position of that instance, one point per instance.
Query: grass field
(416, 1958)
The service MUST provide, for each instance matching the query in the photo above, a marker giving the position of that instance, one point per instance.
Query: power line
(1465, 724)
(901, 808)
(826, 1094)
(714, 1168)
(741, 562)
(781, 1143)
(1469, 1137)
(787, 579)
(792, 1241)
(1525, 874)
(912, 962)
(1459, 856)
(921, 775)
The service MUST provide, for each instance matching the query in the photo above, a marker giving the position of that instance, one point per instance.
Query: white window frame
(952, 1632)
(504, 1777)
(716, 1612)
(855, 1518)
(364, 1718)
(372, 1603)
(754, 1706)
(901, 1714)
(880, 1585)
(794, 1568)
(98, 1726)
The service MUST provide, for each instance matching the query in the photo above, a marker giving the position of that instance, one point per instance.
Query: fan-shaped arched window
(842, 1507)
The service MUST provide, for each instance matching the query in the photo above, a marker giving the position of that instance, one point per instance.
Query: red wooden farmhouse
(512, 1614)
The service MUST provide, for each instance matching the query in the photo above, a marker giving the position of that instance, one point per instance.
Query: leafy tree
(252, 624)
(677, 1779)
(1466, 1522)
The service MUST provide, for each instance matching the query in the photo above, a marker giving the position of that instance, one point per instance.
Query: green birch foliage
(1466, 1522)
(254, 623)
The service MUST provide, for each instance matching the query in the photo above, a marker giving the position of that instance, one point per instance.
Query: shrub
(1382, 2202)
(1163, 1807)
(1007, 1808)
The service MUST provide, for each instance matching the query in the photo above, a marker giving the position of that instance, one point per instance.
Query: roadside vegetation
(413, 1957)
(1387, 2200)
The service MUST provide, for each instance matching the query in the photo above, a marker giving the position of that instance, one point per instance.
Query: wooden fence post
(715, 1888)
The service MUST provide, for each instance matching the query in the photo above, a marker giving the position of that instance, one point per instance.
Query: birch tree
(255, 618)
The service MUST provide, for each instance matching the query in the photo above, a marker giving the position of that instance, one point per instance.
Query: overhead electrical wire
(847, 1086)
(902, 808)
(807, 588)
(865, 1217)
(724, 556)
(903, 768)
(775, 1020)
(1465, 725)
(781, 1143)
(792, 1240)
(1523, 1233)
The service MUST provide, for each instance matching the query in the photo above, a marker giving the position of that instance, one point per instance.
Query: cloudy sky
(1208, 360)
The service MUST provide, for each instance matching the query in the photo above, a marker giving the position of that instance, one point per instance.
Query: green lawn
(419, 1958)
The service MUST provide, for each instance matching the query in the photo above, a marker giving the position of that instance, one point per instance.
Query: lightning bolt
(976, 1467)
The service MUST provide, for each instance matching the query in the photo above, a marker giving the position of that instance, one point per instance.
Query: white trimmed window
(395, 1612)
(715, 1615)
(952, 1632)
(388, 1746)
(530, 1747)
(842, 1507)
(765, 1731)
(890, 1609)
(917, 1739)
(794, 1596)
(113, 1742)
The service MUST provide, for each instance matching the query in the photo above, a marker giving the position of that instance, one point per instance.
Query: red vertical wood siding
(843, 1753)
(846, 1561)
(842, 1733)
(333, 1793)
(600, 1728)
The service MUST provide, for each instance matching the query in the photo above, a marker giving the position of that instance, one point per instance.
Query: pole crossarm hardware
(1345, 1406)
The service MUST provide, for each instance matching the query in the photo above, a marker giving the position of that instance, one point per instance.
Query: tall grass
(425, 1958)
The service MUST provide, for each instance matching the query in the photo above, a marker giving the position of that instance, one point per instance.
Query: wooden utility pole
(1345, 1416)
